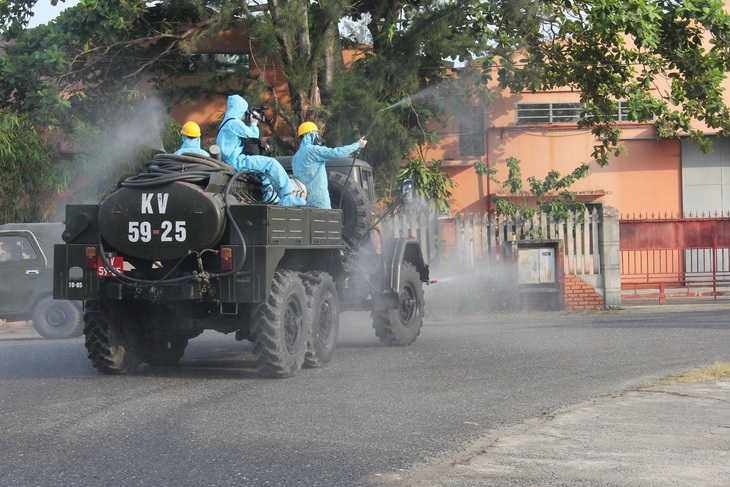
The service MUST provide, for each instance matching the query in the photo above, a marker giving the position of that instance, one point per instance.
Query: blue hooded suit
(309, 167)
(230, 139)
(191, 145)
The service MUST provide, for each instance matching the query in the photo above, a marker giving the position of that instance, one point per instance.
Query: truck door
(22, 270)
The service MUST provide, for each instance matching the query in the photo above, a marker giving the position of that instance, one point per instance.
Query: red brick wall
(579, 295)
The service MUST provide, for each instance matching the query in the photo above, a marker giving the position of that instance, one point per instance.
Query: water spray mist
(403, 101)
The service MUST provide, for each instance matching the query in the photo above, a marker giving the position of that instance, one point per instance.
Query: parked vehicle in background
(26, 280)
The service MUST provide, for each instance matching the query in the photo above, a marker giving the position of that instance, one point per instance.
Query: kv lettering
(147, 198)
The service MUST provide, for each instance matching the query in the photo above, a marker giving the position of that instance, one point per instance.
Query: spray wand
(372, 123)
(367, 132)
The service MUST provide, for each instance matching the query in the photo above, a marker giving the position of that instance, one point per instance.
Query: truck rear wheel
(281, 327)
(324, 309)
(400, 326)
(112, 338)
(55, 319)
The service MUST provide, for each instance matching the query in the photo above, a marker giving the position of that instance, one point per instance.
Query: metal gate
(667, 257)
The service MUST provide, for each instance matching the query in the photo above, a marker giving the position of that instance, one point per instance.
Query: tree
(432, 185)
(69, 73)
(29, 178)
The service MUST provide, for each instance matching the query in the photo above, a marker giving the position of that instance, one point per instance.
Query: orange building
(667, 176)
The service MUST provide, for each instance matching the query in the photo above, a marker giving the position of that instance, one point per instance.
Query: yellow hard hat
(191, 129)
(307, 127)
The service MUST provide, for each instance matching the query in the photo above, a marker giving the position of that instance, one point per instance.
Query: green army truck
(188, 246)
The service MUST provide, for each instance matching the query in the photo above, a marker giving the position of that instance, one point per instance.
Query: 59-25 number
(142, 231)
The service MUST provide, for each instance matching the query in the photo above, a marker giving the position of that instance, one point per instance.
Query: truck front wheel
(325, 315)
(112, 338)
(400, 326)
(281, 327)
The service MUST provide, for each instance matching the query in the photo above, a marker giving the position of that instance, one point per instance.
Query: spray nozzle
(407, 190)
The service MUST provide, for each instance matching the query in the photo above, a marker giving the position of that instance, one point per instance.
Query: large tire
(280, 327)
(400, 326)
(164, 351)
(57, 319)
(356, 208)
(324, 309)
(113, 340)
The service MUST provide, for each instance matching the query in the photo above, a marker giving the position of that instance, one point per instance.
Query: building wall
(646, 179)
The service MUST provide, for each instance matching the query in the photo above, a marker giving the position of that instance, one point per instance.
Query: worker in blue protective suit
(231, 139)
(309, 163)
(190, 134)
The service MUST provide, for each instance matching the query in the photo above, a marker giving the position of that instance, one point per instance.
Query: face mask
(318, 140)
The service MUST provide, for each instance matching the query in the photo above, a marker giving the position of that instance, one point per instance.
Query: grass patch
(715, 371)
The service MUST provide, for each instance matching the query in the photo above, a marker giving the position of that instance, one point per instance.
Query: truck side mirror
(407, 189)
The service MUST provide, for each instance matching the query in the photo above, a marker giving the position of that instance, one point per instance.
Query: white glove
(361, 143)
(254, 121)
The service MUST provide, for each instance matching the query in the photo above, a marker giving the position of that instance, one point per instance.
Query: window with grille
(542, 113)
(471, 131)
(545, 113)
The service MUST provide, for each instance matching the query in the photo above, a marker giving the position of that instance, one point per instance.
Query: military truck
(188, 247)
(26, 280)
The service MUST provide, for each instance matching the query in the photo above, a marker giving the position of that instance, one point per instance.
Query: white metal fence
(470, 238)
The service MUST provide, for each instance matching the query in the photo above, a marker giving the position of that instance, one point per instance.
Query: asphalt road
(371, 413)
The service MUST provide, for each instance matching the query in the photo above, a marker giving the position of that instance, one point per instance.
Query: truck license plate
(116, 262)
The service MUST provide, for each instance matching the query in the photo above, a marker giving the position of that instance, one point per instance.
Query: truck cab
(357, 170)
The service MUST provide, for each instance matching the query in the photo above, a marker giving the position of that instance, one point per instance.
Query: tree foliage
(82, 72)
(29, 177)
(69, 73)
(551, 195)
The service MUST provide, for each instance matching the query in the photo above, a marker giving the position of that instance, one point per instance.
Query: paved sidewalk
(676, 435)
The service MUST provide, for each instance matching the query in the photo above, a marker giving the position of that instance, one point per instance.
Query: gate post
(610, 248)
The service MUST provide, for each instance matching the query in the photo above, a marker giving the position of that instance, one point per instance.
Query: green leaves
(550, 195)
(666, 60)
(30, 181)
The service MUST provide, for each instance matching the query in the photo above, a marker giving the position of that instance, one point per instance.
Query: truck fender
(396, 251)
